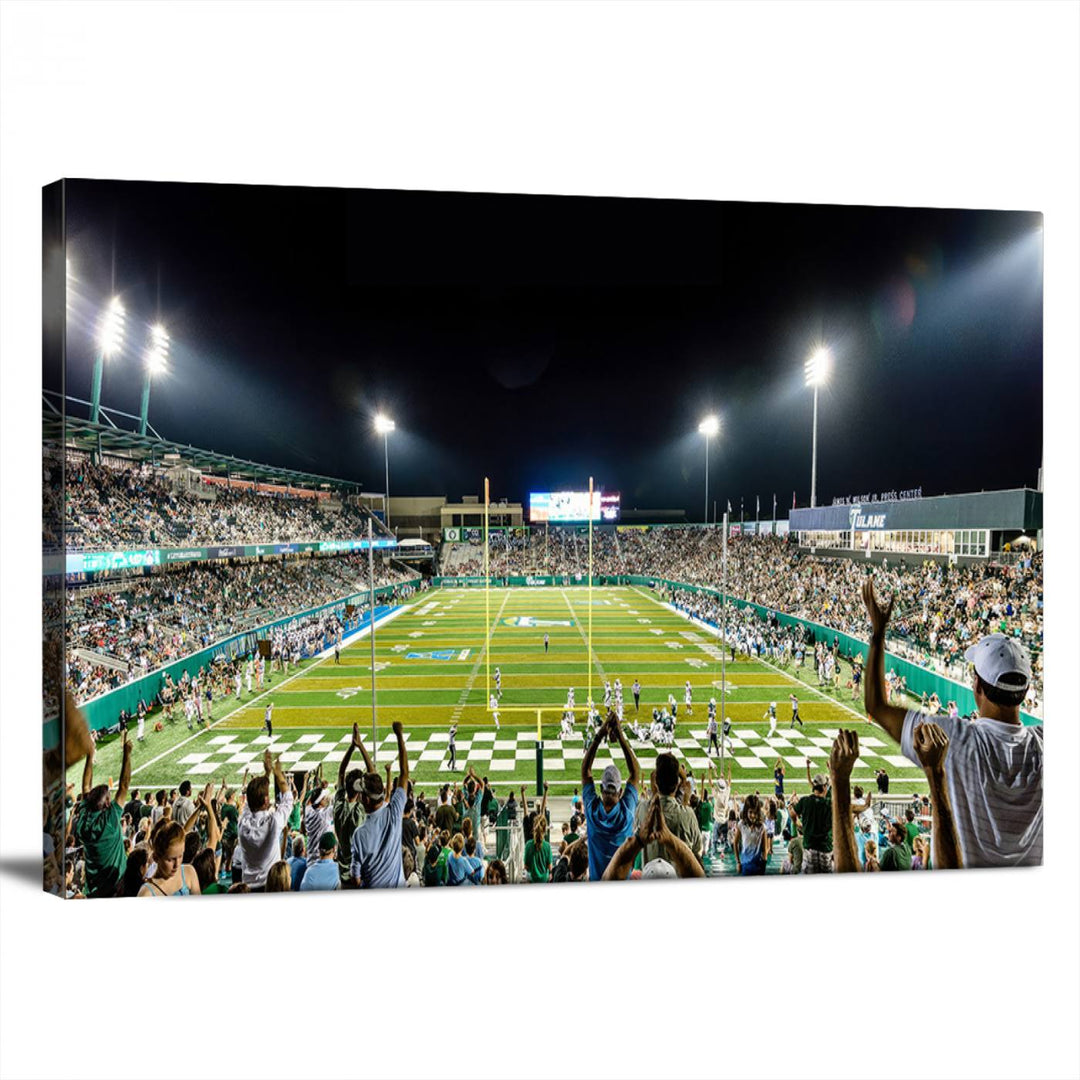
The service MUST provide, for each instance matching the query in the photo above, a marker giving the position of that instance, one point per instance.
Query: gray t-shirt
(376, 846)
(994, 772)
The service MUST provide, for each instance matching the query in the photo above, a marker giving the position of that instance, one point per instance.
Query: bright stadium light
(817, 369)
(708, 427)
(155, 363)
(112, 328)
(110, 341)
(157, 354)
(384, 425)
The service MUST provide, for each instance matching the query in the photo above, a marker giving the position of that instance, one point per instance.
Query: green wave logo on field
(531, 620)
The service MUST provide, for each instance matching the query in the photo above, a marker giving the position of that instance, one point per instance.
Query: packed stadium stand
(117, 504)
(121, 626)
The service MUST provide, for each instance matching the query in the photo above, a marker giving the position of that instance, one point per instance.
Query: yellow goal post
(539, 710)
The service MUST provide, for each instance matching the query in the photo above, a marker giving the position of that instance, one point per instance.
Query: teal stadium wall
(102, 712)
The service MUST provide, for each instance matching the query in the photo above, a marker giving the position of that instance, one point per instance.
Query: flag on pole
(757, 512)
(742, 515)
(774, 506)
(793, 500)
(729, 506)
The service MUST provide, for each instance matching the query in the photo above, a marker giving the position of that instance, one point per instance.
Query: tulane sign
(869, 521)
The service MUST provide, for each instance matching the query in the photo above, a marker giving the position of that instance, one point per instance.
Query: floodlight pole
(589, 658)
(487, 595)
(706, 518)
(144, 407)
(371, 609)
(386, 461)
(723, 641)
(813, 456)
(95, 387)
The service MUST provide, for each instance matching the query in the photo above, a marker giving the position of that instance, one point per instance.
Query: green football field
(432, 668)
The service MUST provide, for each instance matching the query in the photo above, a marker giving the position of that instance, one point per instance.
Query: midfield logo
(530, 620)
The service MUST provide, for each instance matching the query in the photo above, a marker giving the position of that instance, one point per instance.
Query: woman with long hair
(752, 843)
(135, 872)
(171, 876)
(279, 877)
(871, 865)
(538, 852)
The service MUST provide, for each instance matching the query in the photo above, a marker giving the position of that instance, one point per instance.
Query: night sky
(539, 339)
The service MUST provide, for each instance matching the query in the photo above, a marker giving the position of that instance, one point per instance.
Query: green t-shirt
(912, 830)
(896, 857)
(704, 815)
(444, 855)
(231, 816)
(348, 817)
(101, 838)
(815, 814)
(538, 861)
(211, 889)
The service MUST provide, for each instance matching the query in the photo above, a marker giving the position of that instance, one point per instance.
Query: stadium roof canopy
(107, 438)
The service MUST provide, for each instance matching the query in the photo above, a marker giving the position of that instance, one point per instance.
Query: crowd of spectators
(122, 628)
(117, 505)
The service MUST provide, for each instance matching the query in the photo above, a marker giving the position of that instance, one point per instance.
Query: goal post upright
(487, 597)
(588, 658)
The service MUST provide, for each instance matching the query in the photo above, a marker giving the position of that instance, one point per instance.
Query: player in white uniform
(250, 672)
(656, 731)
(566, 729)
(725, 731)
(688, 697)
(236, 683)
(607, 695)
(189, 710)
(498, 682)
(770, 715)
(493, 704)
(570, 698)
(141, 731)
(713, 728)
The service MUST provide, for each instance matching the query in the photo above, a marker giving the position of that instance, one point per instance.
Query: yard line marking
(593, 658)
(321, 658)
(463, 697)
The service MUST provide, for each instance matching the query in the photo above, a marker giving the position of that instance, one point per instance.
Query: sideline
(320, 658)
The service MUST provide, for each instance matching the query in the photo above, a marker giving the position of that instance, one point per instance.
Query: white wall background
(966, 105)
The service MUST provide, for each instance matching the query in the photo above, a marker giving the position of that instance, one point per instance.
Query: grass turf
(432, 668)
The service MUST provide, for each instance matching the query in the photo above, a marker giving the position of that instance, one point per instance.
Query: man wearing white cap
(994, 765)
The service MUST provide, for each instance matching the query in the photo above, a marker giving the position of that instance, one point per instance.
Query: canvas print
(406, 539)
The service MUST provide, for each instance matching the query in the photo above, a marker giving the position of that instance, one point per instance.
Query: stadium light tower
(708, 427)
(155, 363)
(384, 425)
(817, 374)
(110, 341)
